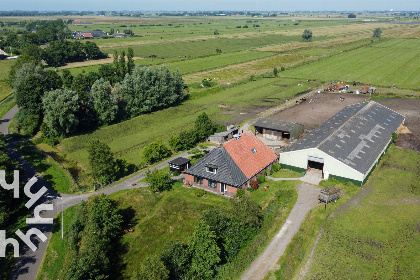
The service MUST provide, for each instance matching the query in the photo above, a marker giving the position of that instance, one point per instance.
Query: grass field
(391, 61)
(376, 236)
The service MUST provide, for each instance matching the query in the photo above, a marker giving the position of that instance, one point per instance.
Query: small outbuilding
(3, 54)
(277, 129)
(224, 136)
(179, 164)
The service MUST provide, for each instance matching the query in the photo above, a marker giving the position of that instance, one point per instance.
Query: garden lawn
(286, 173)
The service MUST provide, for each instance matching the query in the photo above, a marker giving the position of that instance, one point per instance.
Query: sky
(210, 5)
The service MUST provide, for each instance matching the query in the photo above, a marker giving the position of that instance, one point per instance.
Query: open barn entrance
(316, 163)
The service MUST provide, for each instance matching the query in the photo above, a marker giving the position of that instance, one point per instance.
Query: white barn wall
(331, 165)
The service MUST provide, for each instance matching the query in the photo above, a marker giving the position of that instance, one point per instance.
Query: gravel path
(307, 199)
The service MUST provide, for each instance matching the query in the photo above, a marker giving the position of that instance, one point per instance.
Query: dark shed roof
(179, 161)
(355, 136)
(272, 124)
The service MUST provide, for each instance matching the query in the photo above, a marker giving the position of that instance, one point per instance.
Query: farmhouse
(88, 34)
(348, 145)
(233, 165)
(277, 129)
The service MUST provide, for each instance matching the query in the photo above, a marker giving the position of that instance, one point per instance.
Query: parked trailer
(329, 194)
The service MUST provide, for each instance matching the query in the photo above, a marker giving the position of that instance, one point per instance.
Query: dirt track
(318, 109)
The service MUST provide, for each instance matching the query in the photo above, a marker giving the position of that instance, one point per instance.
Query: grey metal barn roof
(227, 172)
(272, 124)
(355, 136)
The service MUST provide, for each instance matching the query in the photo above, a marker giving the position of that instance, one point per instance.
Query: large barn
(348, 145)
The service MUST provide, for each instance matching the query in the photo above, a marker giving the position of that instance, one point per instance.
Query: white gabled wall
(332, 165)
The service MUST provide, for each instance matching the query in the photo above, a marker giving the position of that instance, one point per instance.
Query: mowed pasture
(376, 236)
(383, 64)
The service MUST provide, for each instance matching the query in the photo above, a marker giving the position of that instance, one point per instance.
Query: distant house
(233, 165)
(277, 129)
(179, 164)
(77, 22)
(3, 54)
(224, 136)
(88, 34)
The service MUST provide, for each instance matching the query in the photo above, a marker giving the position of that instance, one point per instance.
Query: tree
(203, 127)
(174, 143)
(352, 15)
(187, 139)
(307, 35)
(130, 61)
(92, 50)
(101, 161)
(377, 32)
(122, 67)
(275, 72)
(155, 151)
(60, 110)
(103, 103)
(177, 259)
(216, 32)
(67, 78)
(151, 268)
(158, 180)
(205, 252)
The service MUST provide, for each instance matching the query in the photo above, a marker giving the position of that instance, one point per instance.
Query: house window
(198, 180)
(211, 169)
(212, 184)
(254, 151)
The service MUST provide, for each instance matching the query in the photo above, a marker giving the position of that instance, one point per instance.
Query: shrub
(200, 193)
(275, 168)
(240, 193)
(254, 184)
(394, 137)
(261, 179)
(175, 173)
(158, 181)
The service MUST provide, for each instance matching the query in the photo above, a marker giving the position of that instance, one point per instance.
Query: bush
(275, 168)
(394, 137)
(240, 193)
(261, 179)
(175, 173)
(254, 185)
(158, 180)
(200, 193)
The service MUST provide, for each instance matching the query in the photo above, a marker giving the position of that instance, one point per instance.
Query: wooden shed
(179, 164)
(277, 129)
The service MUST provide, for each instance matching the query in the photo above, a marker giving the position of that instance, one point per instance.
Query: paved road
(5, 120)
(307, 199)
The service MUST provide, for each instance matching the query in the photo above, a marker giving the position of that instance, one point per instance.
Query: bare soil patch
(410, 109)
(318, 108)
(91, 62)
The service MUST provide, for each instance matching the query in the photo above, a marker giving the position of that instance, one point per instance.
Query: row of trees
(93, 241)
(217, 239)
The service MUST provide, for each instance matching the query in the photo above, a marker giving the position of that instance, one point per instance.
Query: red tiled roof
(242, 153)
(87, 35)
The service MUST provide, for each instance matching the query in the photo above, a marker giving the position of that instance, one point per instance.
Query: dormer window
(212, 168)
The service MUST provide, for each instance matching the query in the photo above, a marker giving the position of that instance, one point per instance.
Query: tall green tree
(103, 103)
(307, 35)
(130, 61)
(204, 127)
(151, 268)
(60, 112)
(101, 161)
(158, 180)
(67, 78)
(155, 151)
(122, 68)
(205, 252)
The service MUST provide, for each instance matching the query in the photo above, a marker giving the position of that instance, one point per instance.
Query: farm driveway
(307, 199)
